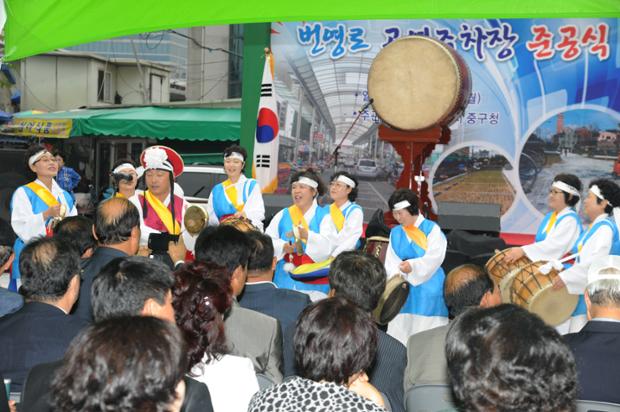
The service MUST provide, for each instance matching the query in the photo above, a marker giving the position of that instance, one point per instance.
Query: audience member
(262, 295)
(77, 230)
(361, 279)
(67, 178)
(335, 343)
(249, 333)
(466, 286)
(597, 346)
(506, 359)
(117, 230)
(201, 297)
(129, 286)
(41, 330)
(124, 364)
(9, 301)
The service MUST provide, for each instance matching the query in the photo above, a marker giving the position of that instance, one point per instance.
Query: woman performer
(560, 228)
(125, 179)
(416, 250)
(33, 206)
(161, 210)
(302, 233)
(237, 196)
(347, 216)
(599, 240)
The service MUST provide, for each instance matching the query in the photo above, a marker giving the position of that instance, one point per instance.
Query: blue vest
(425, 299)
(38, 206)
(542, 235)
(222, 206)
(281, 278)
(346, 212)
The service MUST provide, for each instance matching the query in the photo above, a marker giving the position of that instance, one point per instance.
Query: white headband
(156, 158)
(35, 157)
(401, 205)
(346, 181)
(308, 182)
(597, 192)
(235, 155)
(124, 166)
(566, 188)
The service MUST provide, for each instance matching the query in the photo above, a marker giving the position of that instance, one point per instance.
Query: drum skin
(417, 82)
(503, 273)
(240, 223)
(532, 290)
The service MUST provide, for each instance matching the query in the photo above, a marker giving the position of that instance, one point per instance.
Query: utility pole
(141, 84)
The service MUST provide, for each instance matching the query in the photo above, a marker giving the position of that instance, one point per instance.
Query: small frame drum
(377, 246)
(392, 299)
(532, 290)
(503, 273)
(417, 82)
(241, 223)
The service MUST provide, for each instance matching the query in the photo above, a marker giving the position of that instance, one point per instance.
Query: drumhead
(418, 82)
(392, 300)
(553, 306)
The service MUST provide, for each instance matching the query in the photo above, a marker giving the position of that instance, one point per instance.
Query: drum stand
(414, 147)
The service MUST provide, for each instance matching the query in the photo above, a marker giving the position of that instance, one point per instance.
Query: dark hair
(507, 359)
(77, 230)
(404, 194)
(223, 245)
(334, 339)
(464, 287)
(47, 265)
(125, 364)
(114, 226)
(7, 240)
(200, 297)
(310, 174)
(358, 277)
(238, 149)
(31, 151)
(610, 191)
(571, 180)
(261, 251)
(353, 194)
(123, 286)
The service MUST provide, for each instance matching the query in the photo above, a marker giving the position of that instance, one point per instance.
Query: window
(104, 86)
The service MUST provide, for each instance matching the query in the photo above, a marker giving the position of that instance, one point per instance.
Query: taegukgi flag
(266, 144)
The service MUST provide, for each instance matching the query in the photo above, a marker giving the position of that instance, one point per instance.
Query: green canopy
(36, 26)
(195, 124)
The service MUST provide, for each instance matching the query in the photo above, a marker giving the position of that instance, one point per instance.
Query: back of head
(464, 287)
(7, 239)
(359, 277)
(115, 219)
(603, 288)
(47, 265)
(334, 339)
(223, 245)
(77, 230)
(507, 359)
(123, 285)
(125, 364)
(200, 298)
(261, 253)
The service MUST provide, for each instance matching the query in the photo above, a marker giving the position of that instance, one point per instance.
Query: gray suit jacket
(255, 336)
(426, 360)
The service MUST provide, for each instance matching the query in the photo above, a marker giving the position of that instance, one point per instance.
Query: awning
(194, 124)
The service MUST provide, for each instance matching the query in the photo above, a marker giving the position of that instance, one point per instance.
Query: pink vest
(153, 221)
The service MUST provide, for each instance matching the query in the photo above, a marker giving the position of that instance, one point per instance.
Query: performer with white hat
(598, 241)
(161, 209)
(560, 228)
(34, 206)
(303, 234)
(416, 251)
(237, 196)
(348, 216)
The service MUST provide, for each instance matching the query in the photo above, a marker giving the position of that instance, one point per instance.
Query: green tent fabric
(36, 26)
(195, 124)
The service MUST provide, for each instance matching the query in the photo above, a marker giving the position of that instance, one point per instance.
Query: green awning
(34, 27)
(195, 124)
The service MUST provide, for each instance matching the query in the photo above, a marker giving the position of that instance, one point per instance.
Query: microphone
(367, 105)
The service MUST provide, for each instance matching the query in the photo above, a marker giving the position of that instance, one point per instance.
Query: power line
(211, 49)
